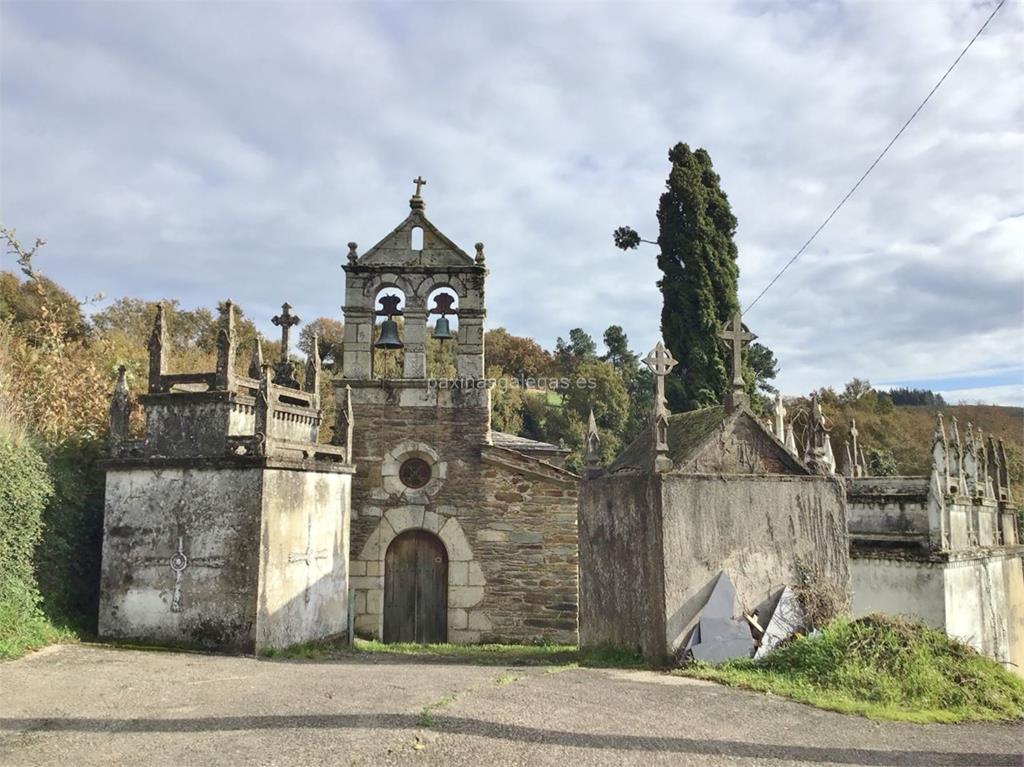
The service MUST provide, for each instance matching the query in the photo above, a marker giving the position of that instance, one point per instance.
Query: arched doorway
(416, 589)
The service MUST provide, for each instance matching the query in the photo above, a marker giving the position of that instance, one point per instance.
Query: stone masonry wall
(509, 535)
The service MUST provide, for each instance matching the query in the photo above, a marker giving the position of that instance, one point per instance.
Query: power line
(877, 160)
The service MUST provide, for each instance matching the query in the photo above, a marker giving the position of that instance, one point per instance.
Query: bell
(442, 330)
(388, 336)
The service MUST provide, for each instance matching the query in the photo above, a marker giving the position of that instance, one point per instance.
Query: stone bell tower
(451, 524)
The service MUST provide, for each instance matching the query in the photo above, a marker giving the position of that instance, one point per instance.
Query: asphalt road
(85, 705)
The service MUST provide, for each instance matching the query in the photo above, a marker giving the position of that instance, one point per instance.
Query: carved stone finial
(226, 346)
(344, 425)
(858, 470)
(735, 333)
(256, 361)
(479, 252)
(284, 370)
(1004, 475)
(780, 417)
(121, 406)
(593, 454)
(849, 469)
(157, 351)
(263, 412)
(790, 440)
(353, 254)
(816, 440)
(313, 368)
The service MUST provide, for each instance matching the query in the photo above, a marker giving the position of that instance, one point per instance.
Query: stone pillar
(157, 354)
(356, 360)
(226, 347)
(470, 353)
(120, 410)
(415, 338)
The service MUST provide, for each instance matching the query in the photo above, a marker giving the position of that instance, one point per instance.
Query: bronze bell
(442, 329)
(388, 336)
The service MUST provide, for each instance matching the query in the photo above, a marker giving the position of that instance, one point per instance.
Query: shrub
(25, 488)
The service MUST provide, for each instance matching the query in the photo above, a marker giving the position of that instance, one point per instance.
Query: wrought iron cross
(285, 320)
(736, 334)
(309, 556)
(419, 181)
(660, 361)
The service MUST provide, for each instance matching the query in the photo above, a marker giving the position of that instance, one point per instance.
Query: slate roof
(522, 444)
(686, 432)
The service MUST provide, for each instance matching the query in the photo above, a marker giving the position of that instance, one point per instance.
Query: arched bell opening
(388, 332)
(442, 332)
(416, 589)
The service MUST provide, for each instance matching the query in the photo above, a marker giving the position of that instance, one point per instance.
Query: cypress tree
(698, 286)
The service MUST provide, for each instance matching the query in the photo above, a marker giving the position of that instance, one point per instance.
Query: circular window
(414, 473)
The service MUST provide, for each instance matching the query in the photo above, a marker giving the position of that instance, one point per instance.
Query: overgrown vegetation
(25, 489)
(882, 668)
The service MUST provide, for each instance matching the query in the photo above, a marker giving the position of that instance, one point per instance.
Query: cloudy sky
(211, 150)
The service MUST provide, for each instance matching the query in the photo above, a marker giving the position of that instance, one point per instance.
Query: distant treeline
(918, 397)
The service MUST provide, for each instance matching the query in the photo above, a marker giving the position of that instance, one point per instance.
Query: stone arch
(466, 581)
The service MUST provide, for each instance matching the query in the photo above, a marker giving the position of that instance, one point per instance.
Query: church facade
(459, 533)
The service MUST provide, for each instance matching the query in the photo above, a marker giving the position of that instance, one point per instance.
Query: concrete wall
(888, 505)
(899, 587)
(975, 597)
(985, 605)
(209, 598)
(621, 575)
(303, 592)
(763, 531)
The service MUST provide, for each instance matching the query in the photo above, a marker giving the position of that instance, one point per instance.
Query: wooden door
(416, 589)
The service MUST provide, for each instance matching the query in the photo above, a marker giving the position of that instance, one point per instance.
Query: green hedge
(25, 488)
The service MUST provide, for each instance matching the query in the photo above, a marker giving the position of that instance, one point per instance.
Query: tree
(578, 349)
(619, 354)
(697, 259)
(517, 356)
(330, 334)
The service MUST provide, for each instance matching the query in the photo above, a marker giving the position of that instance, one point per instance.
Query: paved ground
(79, 705)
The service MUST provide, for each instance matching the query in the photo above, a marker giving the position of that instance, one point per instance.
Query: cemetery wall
(765, 532)
(621, 563)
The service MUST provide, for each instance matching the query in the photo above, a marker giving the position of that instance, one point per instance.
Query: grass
(556, 655)
(881, 668)
(22, 631)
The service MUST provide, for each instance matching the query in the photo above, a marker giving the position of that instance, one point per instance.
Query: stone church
(459, 533)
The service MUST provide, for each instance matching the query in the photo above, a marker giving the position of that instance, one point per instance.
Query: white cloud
(200, 151)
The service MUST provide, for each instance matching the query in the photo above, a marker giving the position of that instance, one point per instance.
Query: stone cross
(179, 561)
(660, 361)
(309, 557)
(736, 334)
(285, 320)
(419, 181)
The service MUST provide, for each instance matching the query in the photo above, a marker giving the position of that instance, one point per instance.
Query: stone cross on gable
(735, 333)
(660, 361)
(179, 562)
(309, 557)
(419, 181)
(286, 321)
